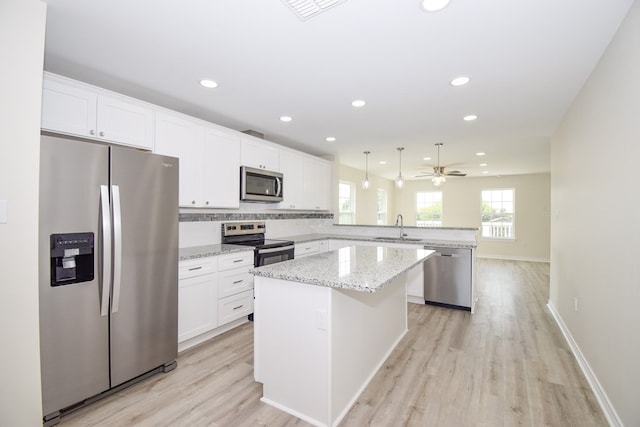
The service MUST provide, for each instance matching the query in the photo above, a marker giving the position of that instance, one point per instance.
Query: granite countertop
(426, 242)
(195, 252)
(359, 268)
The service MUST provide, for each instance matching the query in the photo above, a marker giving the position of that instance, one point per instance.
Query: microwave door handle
(279, 190)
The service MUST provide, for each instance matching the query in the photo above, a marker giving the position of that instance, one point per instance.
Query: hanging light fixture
(400, 179)
(365, 182)
(438, 176)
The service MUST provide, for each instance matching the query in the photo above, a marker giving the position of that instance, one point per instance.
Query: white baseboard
(513, 258)
(605, 404)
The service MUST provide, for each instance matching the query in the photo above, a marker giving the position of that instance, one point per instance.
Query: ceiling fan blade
(423, 175)
(455, 173)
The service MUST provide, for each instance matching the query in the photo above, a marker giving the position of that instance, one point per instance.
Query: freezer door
(74, 350)
(144, 306)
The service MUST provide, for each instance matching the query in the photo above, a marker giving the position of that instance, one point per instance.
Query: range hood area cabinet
(260, 154)
(209, 160)
(74, 108)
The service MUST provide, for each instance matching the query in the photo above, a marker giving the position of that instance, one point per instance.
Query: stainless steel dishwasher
(447, 277)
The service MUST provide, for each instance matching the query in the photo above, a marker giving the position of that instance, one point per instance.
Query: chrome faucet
(400, 222)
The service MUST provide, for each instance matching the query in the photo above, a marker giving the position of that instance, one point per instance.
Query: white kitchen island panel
(316, 348)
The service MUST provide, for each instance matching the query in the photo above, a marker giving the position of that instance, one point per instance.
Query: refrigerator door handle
(117, 248)
(106, 249)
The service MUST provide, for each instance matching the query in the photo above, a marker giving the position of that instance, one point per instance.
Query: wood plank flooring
(507, 365)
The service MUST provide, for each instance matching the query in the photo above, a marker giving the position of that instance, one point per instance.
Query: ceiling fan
(439, 174)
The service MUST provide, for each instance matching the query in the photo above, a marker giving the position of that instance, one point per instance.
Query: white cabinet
(209, 160)
(235, 286)
(76, 108)
(260, 154)
(197, 297)
(180, 137)
(293, 176)
(316, 185)
(221, 168)
(307, 181)
(310, 248)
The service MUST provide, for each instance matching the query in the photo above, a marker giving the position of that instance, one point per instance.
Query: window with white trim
(498, 213)
(429, 209)
(346, 203)
(381, 218)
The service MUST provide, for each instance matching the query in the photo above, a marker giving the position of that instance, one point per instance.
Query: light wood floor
(507, 365)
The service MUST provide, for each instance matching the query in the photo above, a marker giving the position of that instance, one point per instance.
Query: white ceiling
(527, 60)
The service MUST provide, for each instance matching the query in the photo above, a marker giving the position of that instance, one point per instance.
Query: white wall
(22, 25)
(595, 199)
(366, 200)
(462, 205)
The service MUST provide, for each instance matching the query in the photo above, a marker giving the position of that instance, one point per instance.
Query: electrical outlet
(575, 304)
(321, 320)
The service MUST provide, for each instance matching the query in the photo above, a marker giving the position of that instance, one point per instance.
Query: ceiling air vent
(306, 9)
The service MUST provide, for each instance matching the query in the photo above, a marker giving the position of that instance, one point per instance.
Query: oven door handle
(272, 250)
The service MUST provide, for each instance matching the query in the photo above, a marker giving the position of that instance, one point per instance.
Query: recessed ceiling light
(485, 171)
(330, 139)
(434, 5)
(382, 162)
(483, 164)
(358, 103)
(426, 158)
(208, 83)
(285, 118)
(480, 153)
(470, 118)
(460, 81)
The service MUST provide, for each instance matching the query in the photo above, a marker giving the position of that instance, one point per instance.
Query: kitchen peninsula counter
(324, 325)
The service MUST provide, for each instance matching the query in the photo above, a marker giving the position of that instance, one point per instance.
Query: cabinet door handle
(92, 132)
(237, 260)
(240, 306)
(238, 281)
(195, 268)
(101, 133)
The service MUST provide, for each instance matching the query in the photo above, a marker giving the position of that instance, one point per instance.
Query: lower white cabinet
(197, 297)
(213, 292)
(310, 248)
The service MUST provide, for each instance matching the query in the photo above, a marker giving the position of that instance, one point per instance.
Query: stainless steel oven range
(267, 251)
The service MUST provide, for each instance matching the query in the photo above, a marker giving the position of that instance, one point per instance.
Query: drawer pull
(240, 306)
(238, 281)
(237, 260)
(195, 268)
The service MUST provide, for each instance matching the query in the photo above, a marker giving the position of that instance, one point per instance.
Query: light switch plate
(3, 212)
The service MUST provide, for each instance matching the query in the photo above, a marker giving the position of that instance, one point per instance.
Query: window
(429, 209)
(382, 207)
(346, 203)
(498, 209)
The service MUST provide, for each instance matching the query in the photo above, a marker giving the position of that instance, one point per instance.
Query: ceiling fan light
(438, 180)
(434, 5)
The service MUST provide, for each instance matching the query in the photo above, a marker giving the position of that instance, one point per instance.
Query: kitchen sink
(398, 239)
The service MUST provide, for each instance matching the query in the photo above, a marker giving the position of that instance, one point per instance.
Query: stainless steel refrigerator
(108, 269)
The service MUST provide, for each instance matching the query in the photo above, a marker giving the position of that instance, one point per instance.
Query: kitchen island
(325, 324)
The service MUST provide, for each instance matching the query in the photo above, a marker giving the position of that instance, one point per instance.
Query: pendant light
(400, 179)
(365, 182)
(438, 178)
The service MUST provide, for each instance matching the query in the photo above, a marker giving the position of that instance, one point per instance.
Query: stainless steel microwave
(259, 185)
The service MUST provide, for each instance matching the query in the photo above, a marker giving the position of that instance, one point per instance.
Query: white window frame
(351, 213)
(496, 229)
(382, 214)
(431, 200)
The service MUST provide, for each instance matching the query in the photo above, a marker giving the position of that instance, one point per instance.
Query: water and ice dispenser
(72, 258)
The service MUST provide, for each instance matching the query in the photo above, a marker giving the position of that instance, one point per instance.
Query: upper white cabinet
(316, 185)
(76, 108)
(177, 136)
(260, 154)
(221, 168)
(209, 160)
(292, 171)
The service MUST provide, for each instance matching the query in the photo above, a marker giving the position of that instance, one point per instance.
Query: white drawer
(231, 282)
(307, 248)
(235, 260)
(197, 267)
(235, 307)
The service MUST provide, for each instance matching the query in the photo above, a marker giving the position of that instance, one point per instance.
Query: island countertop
(359, 268)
